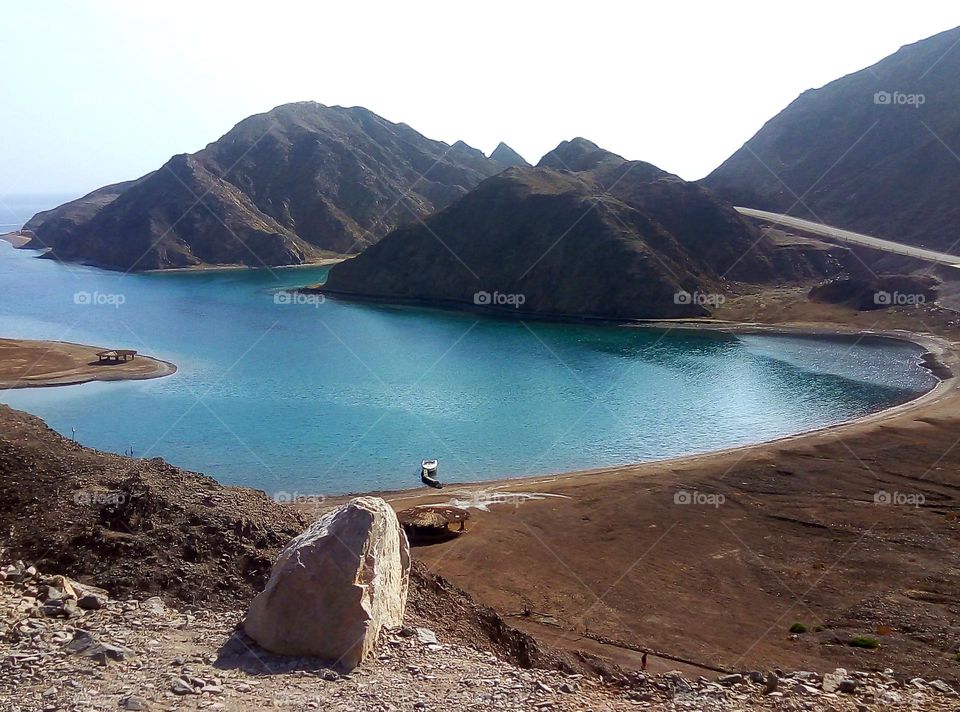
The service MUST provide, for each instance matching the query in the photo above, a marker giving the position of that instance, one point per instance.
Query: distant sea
(16, 210)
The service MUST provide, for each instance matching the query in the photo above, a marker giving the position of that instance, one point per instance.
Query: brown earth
(29, 364)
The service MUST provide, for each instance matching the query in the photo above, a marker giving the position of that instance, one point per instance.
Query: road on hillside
(854, 238)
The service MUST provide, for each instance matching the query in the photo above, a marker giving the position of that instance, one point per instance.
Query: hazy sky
(97, 92)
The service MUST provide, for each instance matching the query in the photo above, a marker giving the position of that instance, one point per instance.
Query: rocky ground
(66, 646)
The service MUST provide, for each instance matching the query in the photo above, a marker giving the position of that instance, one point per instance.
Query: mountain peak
(577, 155)
(507, 156)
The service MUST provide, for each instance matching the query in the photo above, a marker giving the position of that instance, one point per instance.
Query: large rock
(335, 586)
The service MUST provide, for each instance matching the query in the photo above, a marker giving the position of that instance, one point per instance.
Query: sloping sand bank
(30, 364)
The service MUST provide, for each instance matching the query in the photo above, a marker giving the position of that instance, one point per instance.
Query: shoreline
(30, 363)
(940, 350)
(18, 241)
(803, 524)
(325, 262)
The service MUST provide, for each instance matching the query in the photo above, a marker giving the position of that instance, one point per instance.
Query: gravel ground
(66, 646)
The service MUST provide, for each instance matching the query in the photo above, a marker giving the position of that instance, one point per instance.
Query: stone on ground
(335, 586)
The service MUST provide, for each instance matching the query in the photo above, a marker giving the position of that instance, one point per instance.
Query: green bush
(864, 642)
(798, 628)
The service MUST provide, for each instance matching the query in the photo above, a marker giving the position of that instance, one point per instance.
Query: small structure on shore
(432, 521)
(116, 355)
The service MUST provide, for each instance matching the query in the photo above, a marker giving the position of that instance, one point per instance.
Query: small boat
(428, 474)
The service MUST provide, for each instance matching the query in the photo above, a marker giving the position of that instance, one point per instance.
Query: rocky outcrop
(288, 186)
(586, 234)
(335, 586)
(874, 151)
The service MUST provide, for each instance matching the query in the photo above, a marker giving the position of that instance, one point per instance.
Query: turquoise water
(327, 398)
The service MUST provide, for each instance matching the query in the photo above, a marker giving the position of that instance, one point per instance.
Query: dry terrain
(27, 364)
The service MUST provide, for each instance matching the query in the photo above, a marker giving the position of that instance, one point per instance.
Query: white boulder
(335, 586)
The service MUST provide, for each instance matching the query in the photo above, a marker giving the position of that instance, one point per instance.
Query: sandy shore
(708, 560)
(230, 268)
(30, 364)
(15, 239)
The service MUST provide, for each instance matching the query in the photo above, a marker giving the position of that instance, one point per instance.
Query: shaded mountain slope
(875, 151)
(622, 240)
(284, 187)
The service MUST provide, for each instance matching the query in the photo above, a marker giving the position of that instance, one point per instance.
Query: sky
(97, 92)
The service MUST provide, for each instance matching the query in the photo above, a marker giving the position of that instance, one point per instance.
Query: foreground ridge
(69, 646)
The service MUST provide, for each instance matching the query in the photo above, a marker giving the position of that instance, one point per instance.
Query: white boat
(428, 473)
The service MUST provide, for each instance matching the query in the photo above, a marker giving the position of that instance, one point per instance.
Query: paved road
(855, 238)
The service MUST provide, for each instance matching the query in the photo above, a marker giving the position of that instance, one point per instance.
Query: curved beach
(839, 529)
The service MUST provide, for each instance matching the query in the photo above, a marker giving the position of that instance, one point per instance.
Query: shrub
(865, 642)
(798, 628)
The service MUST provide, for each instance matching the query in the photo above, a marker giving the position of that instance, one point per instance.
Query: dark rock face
(620, 240)
(507, 156)
(296, 183)
(874, 151)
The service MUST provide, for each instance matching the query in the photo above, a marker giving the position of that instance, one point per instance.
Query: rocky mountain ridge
(290, 186)
(585, 234)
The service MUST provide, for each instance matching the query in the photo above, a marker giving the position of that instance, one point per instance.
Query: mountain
(507, 156)
(877, 151)
(284, 187)
(578, 155)
(618, 240)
